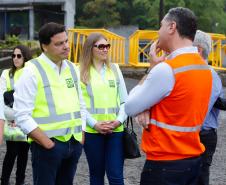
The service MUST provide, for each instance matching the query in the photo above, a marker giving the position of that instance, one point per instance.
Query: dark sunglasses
(16, 55)
(102, 46)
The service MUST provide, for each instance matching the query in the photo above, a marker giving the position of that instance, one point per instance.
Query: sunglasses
(102, 46)
(16, 55)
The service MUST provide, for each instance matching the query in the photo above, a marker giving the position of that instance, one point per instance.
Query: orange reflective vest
(175, 121)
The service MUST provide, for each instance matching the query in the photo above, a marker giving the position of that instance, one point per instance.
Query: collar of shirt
(52, 64)
(190, 49)
(103, 71)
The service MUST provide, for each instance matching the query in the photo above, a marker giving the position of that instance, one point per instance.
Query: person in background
(50, 109)
(104, 92)
(208, 133)
(175, 96)
(2, 118)
(15, 147)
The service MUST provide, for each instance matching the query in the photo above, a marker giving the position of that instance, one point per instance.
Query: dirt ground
(133, 167)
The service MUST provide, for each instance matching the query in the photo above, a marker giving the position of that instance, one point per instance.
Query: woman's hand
(104, 127)
(115, 123)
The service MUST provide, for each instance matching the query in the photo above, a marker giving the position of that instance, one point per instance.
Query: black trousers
(209, 140)
(19, 150)
(177, 172)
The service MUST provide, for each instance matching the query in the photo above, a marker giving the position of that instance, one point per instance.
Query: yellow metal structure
(139, 44)
(140, 41)
(216, 56)
(77, 38)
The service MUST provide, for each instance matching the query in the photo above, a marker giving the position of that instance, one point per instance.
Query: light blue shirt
(211, 120)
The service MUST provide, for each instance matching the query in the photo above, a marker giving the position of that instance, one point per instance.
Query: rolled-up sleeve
(158, 84)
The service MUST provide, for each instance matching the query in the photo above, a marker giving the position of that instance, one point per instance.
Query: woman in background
(16, 146)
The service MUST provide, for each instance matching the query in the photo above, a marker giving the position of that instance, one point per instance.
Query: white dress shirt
(8, 111)
(2, 116)
(25, 93)
(158, 85)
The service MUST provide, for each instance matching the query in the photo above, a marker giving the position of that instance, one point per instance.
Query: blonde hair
(86, 60)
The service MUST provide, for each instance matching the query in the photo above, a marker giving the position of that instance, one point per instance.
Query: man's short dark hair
(49, 30)
(186, 21)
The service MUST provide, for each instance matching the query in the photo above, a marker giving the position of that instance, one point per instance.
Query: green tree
(146, 14)
(210, 14)
(99, 13)
(126, 11)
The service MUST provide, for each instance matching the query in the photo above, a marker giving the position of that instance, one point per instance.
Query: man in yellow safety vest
(50, 110)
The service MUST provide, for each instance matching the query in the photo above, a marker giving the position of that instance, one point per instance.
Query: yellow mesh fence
(77, 38)
(139, 44)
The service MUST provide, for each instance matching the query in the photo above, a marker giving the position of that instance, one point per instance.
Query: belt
(204, 132)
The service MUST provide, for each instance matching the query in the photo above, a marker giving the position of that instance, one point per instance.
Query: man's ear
(172, 27)
(44, 47)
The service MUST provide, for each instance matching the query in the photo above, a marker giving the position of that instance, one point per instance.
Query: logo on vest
(111, 83)
(70, 83)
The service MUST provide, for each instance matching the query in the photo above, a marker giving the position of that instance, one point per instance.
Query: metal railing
(139, 44)
(141, 40)
(77, 38)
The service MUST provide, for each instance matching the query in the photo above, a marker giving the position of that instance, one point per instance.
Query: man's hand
(103, 127)
(83, 138)
(154, 50)
(2, 122)
(41, 138)
(143, 119)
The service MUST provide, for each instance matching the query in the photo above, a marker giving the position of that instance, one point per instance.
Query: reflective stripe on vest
(112, 110)
(175, 128)
(191, 67)
(53, 116)
(180, 128)
(63, 131)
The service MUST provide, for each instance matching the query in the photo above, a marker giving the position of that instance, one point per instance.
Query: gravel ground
(133, 167)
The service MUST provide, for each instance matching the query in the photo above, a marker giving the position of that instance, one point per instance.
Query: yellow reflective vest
(11, 81)
(57, 107)
(102, 97)
(13, 133)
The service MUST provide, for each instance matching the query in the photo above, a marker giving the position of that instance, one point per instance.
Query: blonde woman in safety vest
(49, 108)
(104, 92)
(16, 141)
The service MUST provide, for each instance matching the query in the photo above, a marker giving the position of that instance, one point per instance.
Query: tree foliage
(211, 14)
(99, 13)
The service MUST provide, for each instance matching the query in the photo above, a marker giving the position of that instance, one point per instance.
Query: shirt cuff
(91, 122)
(26, 126)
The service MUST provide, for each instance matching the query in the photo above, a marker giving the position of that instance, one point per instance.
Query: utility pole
(161, 10)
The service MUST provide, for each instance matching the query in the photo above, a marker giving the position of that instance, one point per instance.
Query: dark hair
(26, 53)
(186, 21)
(47, 31)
